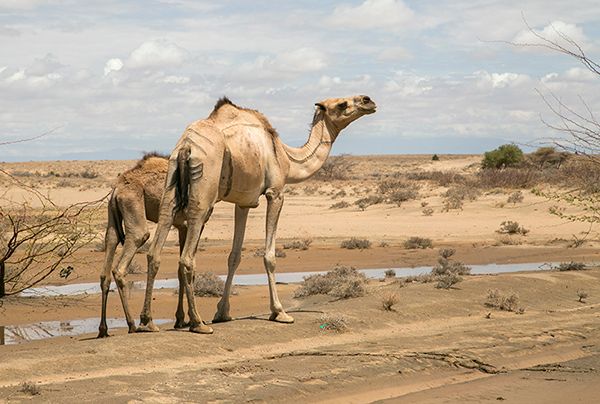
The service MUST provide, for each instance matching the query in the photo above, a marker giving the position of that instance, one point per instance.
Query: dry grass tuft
(582, 295)
(415, 243)
(511, 227)
(388, 301)
(208, 284)
(30, 388)
(571, 266)
(356, 243)
(333, 322)
(497, 300)
(339, 205)
(342, 282)
(303, 244)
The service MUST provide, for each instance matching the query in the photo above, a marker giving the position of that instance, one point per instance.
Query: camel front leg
(274, 205)
(241, 216)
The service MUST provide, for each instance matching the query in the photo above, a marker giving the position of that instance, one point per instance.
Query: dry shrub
(515, 197)
(448, 272)
(384, 244)
(427, 211)
(442, 178)
(388, 301)
(342, 282)
(356, 243)
(333, 322)
(509, 240)
(397, 190)
(364, 203)
(423, 278)
(339, 205)
(571, 266)
(415, 243)
(279, 253)
(511, 227)
(582, 295)
(455, 196)
(509, 178)
(336, 168)
(582, 172)
(497, 300)
(298, 244)
(339, 194)
(208, 284)
(30, 388)
(389, 273)
(311, 189)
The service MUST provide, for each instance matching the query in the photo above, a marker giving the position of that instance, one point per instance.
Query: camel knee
(104, 283)
(153, 262)
(269, 261)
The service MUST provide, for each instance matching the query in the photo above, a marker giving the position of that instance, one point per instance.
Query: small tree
(36, 241)
(507, 155)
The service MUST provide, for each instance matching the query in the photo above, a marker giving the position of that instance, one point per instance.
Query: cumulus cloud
(500, 80)
(408, 84)
(156, 54)
(43, 66)
(112, 65)
(175, 80)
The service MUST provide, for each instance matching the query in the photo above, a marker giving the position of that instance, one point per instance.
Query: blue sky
(120, 77)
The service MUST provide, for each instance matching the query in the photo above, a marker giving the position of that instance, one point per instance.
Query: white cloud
(580, 74)
(156, 54)
(18, 76)
(301, 60)
(175, 80)
(500, 80)
(375, 14)
(44, 66)
(112, 65)
(558, 31)
(408, 84)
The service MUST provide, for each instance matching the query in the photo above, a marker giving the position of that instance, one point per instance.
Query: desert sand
(435, 346)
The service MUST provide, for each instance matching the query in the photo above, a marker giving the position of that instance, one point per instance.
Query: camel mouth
(369, 110)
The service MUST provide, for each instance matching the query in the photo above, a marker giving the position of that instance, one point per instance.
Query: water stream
(15, 334)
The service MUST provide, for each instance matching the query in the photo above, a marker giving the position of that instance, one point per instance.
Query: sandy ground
(437, 346)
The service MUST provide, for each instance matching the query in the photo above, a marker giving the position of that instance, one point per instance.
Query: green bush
(507, 155)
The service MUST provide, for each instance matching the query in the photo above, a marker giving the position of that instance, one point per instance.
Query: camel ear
(321, 106)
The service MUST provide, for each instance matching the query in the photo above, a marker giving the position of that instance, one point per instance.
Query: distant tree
(508, 155)
(548, 157)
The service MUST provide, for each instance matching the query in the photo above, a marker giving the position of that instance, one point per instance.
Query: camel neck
(305, 161)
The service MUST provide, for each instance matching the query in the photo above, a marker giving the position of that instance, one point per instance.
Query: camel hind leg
(111, 240)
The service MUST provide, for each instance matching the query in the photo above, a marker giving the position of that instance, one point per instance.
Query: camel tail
(117, 217)
(181, 179)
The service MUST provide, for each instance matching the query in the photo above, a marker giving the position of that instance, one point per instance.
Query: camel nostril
(366, 100)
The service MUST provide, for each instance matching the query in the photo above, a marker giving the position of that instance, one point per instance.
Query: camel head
(343, 111)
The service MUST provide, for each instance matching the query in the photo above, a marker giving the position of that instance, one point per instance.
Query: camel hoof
(103, 334)
(201, 329)
(132, 329)
(221, 318)
(181, 324)
(282, 318)
(150, 327)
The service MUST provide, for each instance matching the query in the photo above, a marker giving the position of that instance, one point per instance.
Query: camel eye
(342, 105)
(366, 100)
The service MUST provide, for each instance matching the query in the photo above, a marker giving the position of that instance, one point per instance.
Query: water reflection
(289, 277)
(16, 334)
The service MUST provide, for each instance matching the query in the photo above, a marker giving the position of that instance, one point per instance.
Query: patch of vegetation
(333, 322)
(364, 203)
(356, 243)
(416, 242)
(336, 168)
(442, 178)
(507, 155)
(388, 301)
(389, 273)
(279, 253)
(447, 271)
(208, 284)
(498, 300)
(397, 190)
(303, 244)
(509, 178)
(435, 157)
(427, 211)
(384, 244)
(30, 388)
(456, 195)
(545, 157)
(343, 282)
(515, 197)
(339, 205)
(511, 227)
(582, 295)
(571, 266)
